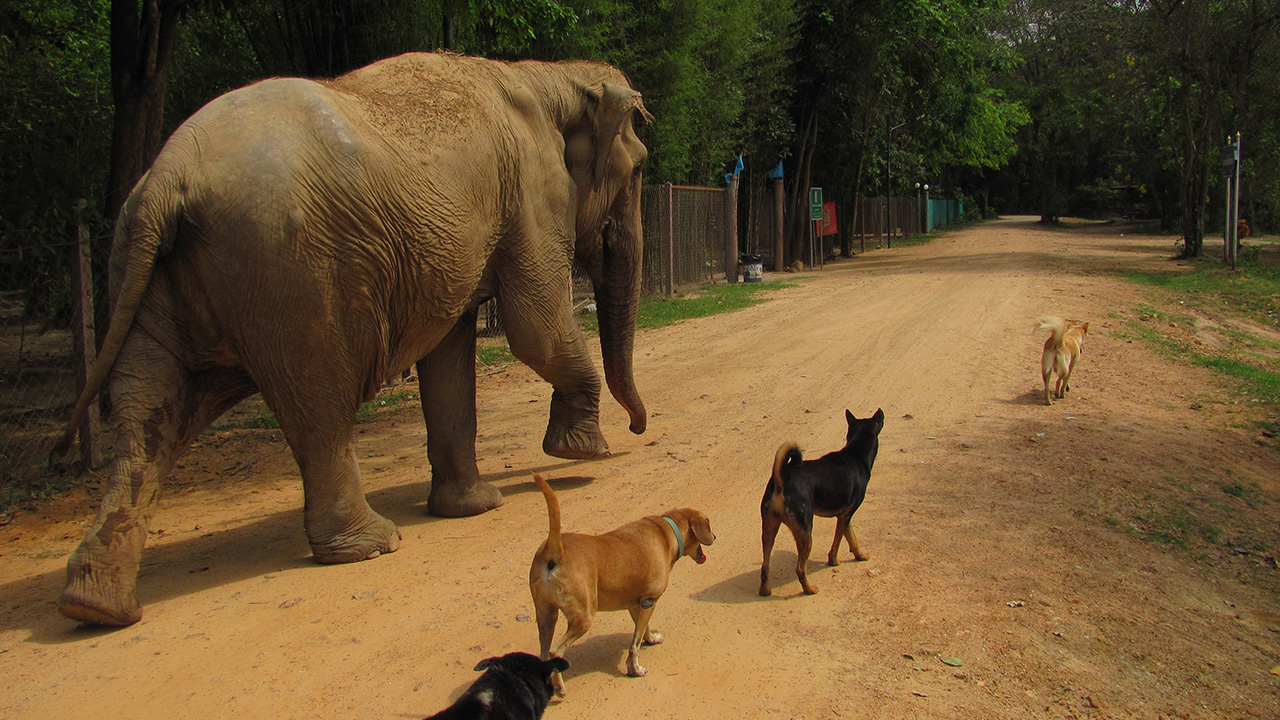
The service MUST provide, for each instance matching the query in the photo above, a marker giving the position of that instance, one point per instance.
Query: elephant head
(606, 160)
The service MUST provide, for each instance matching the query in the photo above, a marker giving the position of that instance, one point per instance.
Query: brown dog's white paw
(653, 638)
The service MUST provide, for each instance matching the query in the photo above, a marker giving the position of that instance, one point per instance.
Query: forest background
(1054, 107)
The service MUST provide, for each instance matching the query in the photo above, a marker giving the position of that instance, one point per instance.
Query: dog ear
(701, 528)
(848, 417)
(485, 664)
(879, 417)
(556, 664)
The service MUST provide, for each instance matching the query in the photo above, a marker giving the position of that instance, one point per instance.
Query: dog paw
(653, 638)
(637, 671)
(862, 558)
(765, 592)
(810, 590)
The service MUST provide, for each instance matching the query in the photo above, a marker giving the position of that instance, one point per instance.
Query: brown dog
(1061, 351)
(624, 569)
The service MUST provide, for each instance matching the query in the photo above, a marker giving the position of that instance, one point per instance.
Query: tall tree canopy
(1048, 106)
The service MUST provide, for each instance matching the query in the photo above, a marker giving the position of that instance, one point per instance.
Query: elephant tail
(554, 548)
(145, 228)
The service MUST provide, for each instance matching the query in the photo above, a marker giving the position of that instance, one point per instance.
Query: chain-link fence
(39, 311)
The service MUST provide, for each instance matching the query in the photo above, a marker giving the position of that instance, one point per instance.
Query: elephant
(308, 239)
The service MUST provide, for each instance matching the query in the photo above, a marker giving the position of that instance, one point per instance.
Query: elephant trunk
(617, 300)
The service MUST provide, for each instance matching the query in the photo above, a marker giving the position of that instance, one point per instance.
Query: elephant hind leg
(340, 525)
(161, 408)
(447, 382)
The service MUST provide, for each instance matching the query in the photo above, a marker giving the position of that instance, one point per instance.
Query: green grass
(1251, 292)
(1253, 289)
(656, 312)
(1205, 519)
(494, 355)
(367, 411)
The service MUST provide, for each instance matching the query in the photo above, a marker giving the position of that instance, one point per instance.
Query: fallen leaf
(952, 661)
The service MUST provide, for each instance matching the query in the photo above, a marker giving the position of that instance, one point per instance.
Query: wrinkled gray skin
(308, 240)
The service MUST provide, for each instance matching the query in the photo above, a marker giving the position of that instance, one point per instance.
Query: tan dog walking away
(623, 569)
(1061, 351)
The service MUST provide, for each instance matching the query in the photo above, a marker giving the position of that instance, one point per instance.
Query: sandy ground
(1008, 539)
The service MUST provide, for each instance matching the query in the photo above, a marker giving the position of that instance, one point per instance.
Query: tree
(144, 36)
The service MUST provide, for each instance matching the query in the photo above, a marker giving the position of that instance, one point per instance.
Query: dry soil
(1103, 557)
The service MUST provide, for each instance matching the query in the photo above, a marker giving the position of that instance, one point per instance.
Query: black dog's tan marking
(515, 686)
(834, 485)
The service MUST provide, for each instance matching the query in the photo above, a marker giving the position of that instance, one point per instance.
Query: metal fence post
(779, 206)
(731, 231)
(668, 245)
(83, 334)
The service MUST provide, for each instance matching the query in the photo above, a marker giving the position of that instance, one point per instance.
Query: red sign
(828, 219)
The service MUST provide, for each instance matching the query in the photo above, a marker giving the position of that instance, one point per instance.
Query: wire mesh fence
(37, 384)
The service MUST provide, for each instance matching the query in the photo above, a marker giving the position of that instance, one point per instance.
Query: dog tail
(555, 550)
(787, 454)
(1055, 325)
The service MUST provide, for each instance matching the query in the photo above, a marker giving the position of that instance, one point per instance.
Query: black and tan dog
(515, 686)
(623, 569)
(834, 485)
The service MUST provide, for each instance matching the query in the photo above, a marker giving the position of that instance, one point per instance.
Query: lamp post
(888, 175)
(927, 228)
(919, 209)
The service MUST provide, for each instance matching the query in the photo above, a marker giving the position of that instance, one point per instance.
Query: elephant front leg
(447, 384)
(558, 354)
(573, 430)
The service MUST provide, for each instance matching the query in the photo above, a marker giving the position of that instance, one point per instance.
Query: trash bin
(752, 268)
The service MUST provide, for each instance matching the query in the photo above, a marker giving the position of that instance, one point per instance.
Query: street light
(927, 229)
(888, 175)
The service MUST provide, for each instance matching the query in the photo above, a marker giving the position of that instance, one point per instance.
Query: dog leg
(576, 627)
(853, 541)
(770, 524)
(844, 530)
(548, 615)
(842, 526)
(804, 546)
(641, 618)
(1066, 379)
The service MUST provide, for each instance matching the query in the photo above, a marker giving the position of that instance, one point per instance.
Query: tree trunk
(796, 227)
(857, 178)
(142, 46)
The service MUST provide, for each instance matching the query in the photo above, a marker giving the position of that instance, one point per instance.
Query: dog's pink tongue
(701, 558)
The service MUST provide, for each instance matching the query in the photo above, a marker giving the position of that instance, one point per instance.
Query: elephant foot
(452, 501)
(99, 593)
(580, 441)
(375, 536)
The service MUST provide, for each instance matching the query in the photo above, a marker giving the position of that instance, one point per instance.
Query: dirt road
(1033, 549)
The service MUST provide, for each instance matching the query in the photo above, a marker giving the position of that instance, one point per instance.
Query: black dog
(516, 686)
(831, 486)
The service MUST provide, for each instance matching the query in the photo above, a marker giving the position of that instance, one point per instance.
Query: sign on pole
(815, 203)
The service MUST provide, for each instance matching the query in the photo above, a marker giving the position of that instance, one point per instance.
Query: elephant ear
(613, 104)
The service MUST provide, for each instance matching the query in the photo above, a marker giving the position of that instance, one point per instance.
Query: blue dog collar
(679, 537)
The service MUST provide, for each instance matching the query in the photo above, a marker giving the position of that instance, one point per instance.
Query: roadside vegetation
(1228, 321)
(1223, 319)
